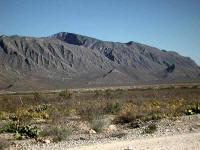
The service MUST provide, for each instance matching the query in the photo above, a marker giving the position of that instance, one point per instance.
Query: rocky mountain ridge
(70, 60)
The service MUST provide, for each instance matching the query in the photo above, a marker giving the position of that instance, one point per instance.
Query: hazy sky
(167, 24)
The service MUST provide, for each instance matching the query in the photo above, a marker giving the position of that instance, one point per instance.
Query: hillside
(70, 60)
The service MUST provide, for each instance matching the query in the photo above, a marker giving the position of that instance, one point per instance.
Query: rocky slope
(70, 60)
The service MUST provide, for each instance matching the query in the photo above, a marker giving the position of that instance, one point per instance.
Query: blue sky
(167, 24)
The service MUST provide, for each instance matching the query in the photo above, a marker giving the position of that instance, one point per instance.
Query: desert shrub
(125, 117)
(67, 94)
(113, 107)
(29, 113)
(55, 114)
(90, 110)
(108, 93)
(151, 128)
(22, 131)
(97, 125)
(37, 97)
(58, 132)
(97, 93)
(129, 116)
(62, 109)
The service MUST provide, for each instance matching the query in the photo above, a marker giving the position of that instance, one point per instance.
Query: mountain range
(66, 60)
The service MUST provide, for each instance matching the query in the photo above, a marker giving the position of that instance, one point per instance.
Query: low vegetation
(24, 114)
(97, 125)
(57, 132)
(21, 131)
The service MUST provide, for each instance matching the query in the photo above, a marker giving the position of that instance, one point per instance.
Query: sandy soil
(189, 141)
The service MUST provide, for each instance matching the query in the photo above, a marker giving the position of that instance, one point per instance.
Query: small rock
(92, 131)
(178, 121)
(47, 141)
(112, 128)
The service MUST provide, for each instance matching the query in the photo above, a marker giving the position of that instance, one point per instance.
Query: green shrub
(21, 131)
(29, 113)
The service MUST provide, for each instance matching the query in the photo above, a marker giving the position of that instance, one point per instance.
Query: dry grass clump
(90, 111)
(57, 132)
(97, 125)
(129, 116)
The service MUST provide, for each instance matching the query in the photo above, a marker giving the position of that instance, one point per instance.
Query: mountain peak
(72, 60)
(70, 38)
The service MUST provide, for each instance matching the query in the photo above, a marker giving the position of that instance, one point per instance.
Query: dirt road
(189, 141)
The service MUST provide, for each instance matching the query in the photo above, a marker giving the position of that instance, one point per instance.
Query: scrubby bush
(22, 131)
(57, 132)
(113, 107)
(130, 116)
(90, 110)
(66, 94)
(97, 125)
(29, 113)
